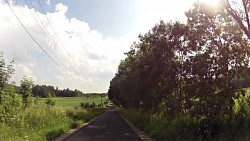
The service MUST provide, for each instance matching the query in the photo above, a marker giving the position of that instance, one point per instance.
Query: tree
(26, 85)
(147, 77)
(5, 74)
(219, 52)
(240, 12)
(43, 91)
(8, 101)
(178, 68)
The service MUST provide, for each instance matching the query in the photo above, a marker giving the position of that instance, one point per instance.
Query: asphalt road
(109, 127)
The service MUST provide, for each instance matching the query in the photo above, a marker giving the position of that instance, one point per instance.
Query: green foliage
(42, 123)
(36, 122)
(85, 105)
(36, 100)
(26, 85)
(5, 72)
(54, 134)
(188, 128)
(73, 101)
(188, 73)
(68, 93)
(88, 105)
(84, 114)
(10, 106)
(50, 102)
(43, 91)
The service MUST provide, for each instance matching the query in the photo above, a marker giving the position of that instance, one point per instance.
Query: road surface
(109, 127)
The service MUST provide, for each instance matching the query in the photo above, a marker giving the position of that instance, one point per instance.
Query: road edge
(138, 132)
(72, 131)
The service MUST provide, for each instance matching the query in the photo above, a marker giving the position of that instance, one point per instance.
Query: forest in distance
(45, 91)
(189, 81)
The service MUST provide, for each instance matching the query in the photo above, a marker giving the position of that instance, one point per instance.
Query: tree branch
(244, 2)
(237, 18)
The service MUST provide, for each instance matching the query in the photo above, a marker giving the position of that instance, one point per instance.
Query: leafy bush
(75, 124)
(87, 105)
(50, 102)
(185, 127)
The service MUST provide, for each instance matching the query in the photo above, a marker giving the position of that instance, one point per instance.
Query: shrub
(54, 134)
(84, 105)
(50, 102)
(75, 124)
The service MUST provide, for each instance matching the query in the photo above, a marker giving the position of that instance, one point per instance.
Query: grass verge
(42, 123)
(187, 128)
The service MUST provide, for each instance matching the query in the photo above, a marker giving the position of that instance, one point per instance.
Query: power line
(52, 26)
(79, 72)
(39, 44)
(55, 44)
(43, 26)
(51, 40)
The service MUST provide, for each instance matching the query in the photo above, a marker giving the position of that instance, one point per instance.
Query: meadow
(73, 101)
(27, 118)
(44, 123)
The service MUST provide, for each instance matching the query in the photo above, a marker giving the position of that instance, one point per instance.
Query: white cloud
(61, 8)
(23, 70)
(93, 58)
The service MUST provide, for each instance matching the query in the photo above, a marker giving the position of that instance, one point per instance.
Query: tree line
(46, 91)
(50, 91)
(197, 68)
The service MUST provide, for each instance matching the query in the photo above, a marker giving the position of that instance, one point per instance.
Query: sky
(77, 44)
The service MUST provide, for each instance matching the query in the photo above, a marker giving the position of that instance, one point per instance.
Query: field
(44, 123)
(74, 101)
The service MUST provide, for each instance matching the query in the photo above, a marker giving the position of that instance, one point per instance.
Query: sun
(210, 2)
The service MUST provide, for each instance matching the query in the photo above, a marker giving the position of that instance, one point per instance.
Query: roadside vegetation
(74, 101)
(186, 81)
(23, 117)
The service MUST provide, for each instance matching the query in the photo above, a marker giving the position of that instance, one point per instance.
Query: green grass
(43, 123)
(74, 101)
(187, 128)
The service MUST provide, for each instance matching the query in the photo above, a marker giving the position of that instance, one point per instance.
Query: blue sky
(89, 41)
(111, 18)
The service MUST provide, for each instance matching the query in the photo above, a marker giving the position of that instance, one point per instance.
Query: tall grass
(187, 128)
(41, 123)
(235, 127)
(74, 101)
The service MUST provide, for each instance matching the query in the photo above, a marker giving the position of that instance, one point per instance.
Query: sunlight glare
(210, 2)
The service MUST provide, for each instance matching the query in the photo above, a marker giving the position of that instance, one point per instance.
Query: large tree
(177, 68)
